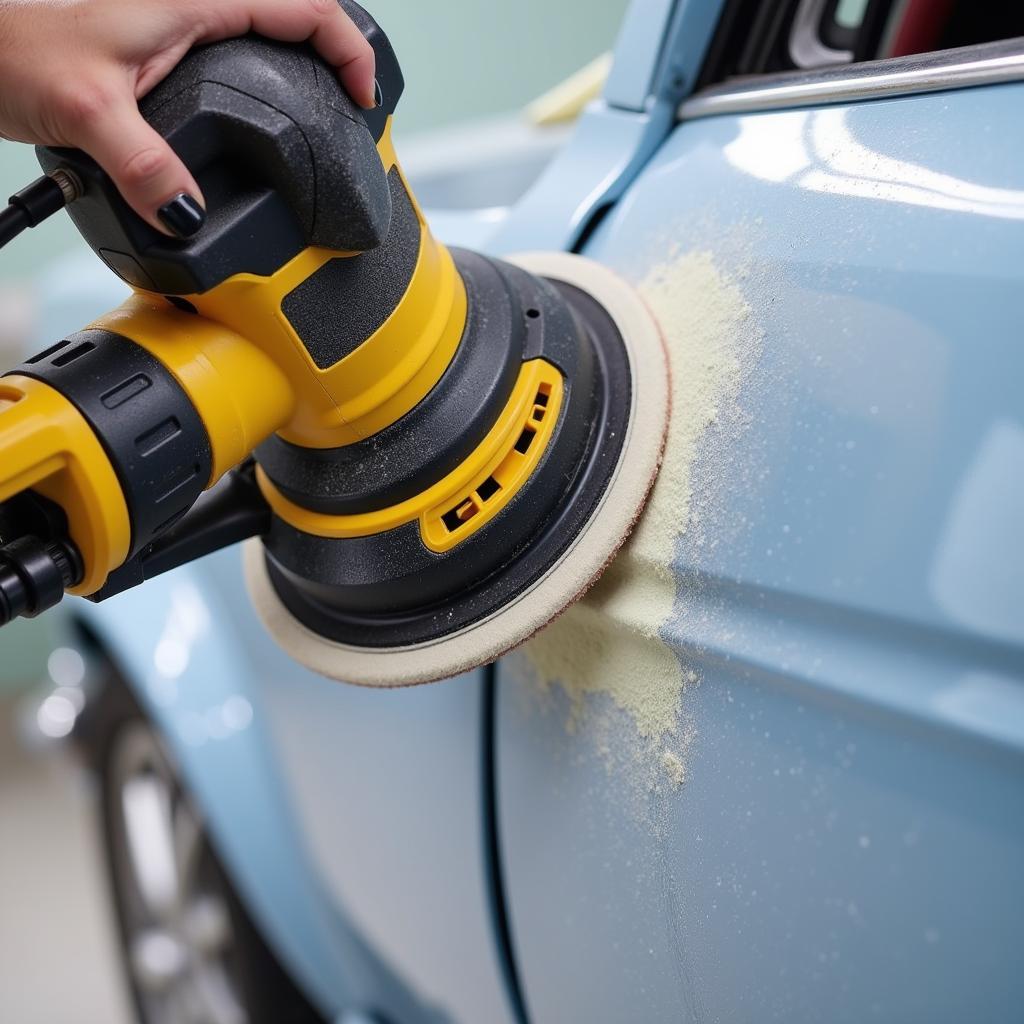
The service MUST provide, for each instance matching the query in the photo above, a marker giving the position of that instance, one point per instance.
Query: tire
(191, 953)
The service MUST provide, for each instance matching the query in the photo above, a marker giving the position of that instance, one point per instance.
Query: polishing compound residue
(610, 645)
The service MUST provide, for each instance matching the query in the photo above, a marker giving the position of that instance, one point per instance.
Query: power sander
(429, 452)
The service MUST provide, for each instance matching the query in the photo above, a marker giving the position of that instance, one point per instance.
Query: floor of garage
(58, 961)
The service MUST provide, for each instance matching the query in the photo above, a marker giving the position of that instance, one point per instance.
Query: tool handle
(285, 159)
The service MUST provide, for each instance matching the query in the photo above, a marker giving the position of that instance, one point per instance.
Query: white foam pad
(580, 565)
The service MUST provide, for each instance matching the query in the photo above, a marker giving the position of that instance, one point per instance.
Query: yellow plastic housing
(248, 374)
(473, 493)
(391, 370)
(47, 445)
(239, 392)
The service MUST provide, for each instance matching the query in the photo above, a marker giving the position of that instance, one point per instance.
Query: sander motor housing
(415, 433)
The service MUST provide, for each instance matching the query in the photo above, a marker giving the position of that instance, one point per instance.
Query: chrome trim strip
(983, 64)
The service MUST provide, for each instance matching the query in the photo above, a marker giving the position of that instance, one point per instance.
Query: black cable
(498, 887)
(12, 222)
(35, 202)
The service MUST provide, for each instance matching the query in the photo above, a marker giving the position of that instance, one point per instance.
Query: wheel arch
(190, 675)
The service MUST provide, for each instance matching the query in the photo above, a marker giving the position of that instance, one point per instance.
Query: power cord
(34, 203)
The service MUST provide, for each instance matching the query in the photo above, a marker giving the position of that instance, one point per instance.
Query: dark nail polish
(182, 215)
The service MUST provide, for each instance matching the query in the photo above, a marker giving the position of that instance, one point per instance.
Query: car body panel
(631, 80)
(851, 829)
(657, 58)
(842, 846)
(350, 819)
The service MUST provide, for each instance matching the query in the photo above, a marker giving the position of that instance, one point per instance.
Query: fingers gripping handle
(390, 81)
(281, 152)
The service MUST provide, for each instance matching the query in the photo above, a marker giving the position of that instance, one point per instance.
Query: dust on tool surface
(581, 526)
(436, 451)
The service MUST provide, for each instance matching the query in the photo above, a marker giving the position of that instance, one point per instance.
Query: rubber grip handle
(285, 159)
(336, 308)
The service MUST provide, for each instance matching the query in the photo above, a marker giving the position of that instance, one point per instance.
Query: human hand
(72, 71)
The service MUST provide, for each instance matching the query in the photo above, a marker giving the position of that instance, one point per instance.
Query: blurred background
(470, 71)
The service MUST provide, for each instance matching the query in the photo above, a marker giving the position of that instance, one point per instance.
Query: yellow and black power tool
(434, 451)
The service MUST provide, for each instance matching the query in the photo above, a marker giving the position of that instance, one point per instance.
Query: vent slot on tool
(523, 433)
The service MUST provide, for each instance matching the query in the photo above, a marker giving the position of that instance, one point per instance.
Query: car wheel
(191, 953)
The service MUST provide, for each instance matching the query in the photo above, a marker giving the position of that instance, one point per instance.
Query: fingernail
(182, 215)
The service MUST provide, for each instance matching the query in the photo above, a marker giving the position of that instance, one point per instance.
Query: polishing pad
(580, 559)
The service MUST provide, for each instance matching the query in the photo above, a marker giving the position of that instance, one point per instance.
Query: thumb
(146, 171)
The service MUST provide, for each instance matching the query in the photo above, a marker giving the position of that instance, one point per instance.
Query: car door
(772, 767)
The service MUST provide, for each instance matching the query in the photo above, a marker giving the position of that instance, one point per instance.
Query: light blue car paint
(607, 150)
(657, 58)
(221, 693)
(192, 676)
(849, 844)
(659, 52)
(631, 81)
(874, 709)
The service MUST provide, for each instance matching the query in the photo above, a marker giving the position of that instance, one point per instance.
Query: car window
(759, 36)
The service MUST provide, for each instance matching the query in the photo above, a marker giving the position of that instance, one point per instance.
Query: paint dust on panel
(607, 652)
